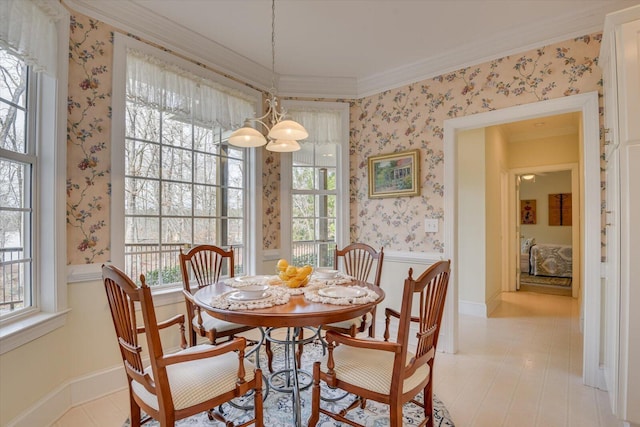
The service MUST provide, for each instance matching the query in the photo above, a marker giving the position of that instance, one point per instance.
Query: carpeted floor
(545, 284)
(278, 406)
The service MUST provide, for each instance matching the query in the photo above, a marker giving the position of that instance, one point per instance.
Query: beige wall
(471, 216)
(545, 184)
(556, 150)
(496, 166)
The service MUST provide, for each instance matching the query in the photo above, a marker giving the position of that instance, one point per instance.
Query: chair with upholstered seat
(357, 262)
(205, 264)
(386, 371)
(182, 384)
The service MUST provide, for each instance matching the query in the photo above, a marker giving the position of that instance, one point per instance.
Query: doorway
(546, 244)
(587, 105)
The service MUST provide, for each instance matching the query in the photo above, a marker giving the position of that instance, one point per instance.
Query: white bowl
(325, 273)
(253, 291)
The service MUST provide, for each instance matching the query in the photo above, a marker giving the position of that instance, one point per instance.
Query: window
(33, 96)
(17, 161)
(183, 185)
(319, 184)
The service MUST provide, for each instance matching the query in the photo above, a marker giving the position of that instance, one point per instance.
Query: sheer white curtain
(324, 126)
(325, 133)
(28, 29)
(163, 85)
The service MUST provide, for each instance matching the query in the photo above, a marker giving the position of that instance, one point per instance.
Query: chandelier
(284, 133)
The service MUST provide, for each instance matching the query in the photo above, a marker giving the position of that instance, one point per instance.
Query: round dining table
(298, 312)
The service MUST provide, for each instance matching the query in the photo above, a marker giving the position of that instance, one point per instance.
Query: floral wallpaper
(405, 118)
(88, 140)
(413, 117)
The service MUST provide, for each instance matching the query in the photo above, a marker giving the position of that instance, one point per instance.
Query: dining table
(318, 303)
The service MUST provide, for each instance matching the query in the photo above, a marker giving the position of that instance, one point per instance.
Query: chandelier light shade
(247, 136)
(528, 177)
(282, 133)
(283, 145)
(288, 129)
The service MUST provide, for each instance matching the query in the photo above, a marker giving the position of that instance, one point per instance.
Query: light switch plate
(430, 225)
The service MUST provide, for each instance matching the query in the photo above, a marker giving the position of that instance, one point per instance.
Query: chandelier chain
(273, 46)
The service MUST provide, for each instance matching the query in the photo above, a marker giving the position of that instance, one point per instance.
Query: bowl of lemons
(292, 276)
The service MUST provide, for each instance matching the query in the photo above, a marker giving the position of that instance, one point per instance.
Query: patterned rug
(545, 280)
(278, 410)
(545, 285)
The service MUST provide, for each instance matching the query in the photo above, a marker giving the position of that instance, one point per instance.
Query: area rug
(545, 280)
(278, 409)
(545, 285)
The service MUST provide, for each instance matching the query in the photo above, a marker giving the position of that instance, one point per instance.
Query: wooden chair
(205, 264)
(358, 259)
(386, 371)
(178, 385)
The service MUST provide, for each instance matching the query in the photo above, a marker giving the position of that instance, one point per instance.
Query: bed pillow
(526, 244)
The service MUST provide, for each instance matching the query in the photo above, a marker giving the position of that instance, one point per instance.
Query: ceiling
(349, 48)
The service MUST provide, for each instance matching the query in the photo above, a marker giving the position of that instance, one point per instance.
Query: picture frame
(394, 175)
(528, 214)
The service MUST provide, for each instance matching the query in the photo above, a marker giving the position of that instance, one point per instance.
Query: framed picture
(527, 211)
(560, 209)
(394, 175)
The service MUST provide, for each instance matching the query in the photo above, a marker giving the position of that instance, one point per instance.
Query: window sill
(20, 332)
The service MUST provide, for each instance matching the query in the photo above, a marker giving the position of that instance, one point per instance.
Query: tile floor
(519, 368)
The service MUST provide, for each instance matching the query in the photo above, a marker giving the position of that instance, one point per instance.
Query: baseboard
(73, 393)
(472, 308)
(493, 303)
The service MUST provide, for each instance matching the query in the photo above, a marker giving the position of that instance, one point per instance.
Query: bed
(550, 260)
(545, 259)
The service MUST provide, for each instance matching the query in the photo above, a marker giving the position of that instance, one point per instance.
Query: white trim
(472, 308)
(84, 273)
(135, 19)
(587, 104)
(50, 290)
(413, 258)
(478, 309)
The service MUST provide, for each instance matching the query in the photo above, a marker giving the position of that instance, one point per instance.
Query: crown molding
(585, 21)
(132, 18)
(317, 87)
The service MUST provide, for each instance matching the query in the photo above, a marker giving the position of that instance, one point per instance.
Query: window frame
(342, 179)
(49, 271)
(253, 206)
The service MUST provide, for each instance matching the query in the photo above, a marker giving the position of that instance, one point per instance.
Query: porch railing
(12, 278)
(161, 264)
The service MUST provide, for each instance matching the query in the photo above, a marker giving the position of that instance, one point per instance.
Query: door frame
(514, 217)
(590, 225)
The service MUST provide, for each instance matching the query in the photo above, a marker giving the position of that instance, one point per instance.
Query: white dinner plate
(241, 296)
(341, 292)
(325, 273)
(251, 279)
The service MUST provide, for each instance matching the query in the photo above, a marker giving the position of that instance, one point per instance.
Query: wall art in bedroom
(527, 211)
(560, 209)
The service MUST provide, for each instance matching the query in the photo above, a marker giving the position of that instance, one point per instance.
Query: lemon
(291, 270)
(294, 282)
(282, 264)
